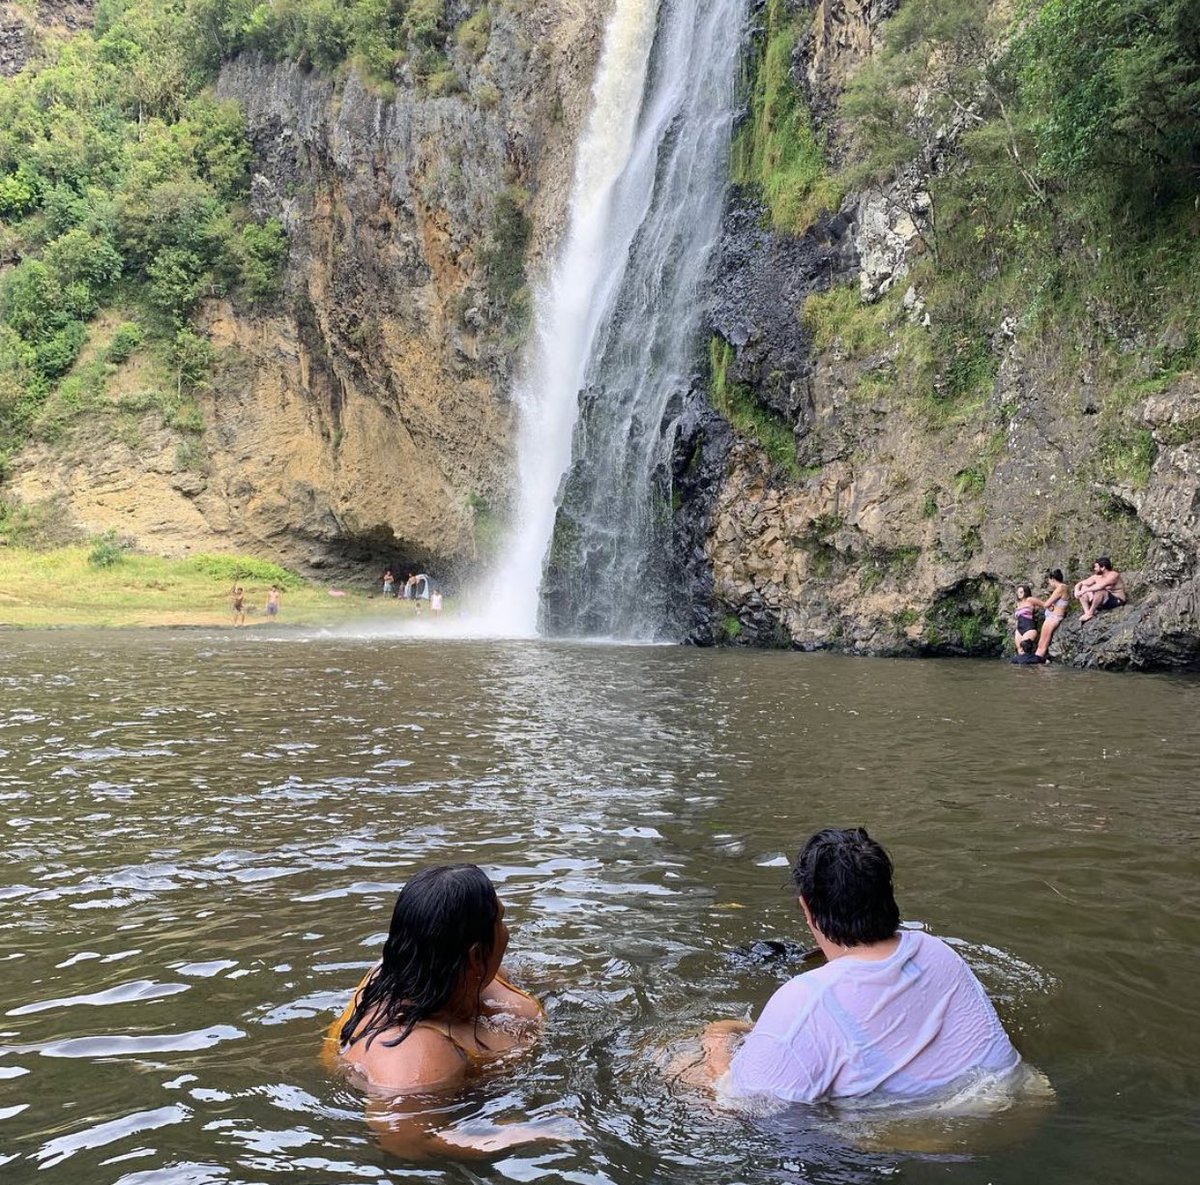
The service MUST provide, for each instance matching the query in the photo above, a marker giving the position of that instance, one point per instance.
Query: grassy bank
(66, 587)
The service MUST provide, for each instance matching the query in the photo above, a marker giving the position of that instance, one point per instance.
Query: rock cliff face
(898, 532)
(21, 27)
(368, 420)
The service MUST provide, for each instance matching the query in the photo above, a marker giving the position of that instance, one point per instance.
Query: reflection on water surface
(203, 834)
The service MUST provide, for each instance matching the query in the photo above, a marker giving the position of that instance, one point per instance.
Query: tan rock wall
(368, 418)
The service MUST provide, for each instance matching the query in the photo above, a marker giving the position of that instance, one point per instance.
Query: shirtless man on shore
(1103, 589)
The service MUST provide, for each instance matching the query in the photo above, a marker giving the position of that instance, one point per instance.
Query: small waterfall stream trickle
(615, 329)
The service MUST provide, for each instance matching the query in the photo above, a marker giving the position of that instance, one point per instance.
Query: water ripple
(138, 989)
(57, 1150)
(637, 809)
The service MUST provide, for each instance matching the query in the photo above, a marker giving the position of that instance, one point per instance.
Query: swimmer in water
(892, 1011)
(435, 1009)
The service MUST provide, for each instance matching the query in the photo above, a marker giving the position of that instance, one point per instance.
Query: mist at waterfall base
(615, 333)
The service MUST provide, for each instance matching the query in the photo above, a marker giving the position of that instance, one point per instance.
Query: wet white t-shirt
(907, 1025)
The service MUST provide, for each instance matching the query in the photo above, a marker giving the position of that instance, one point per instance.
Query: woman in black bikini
(436, 1007)
(1026, 629)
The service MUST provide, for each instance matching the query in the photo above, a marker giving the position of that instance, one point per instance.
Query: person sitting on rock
(1103, 589)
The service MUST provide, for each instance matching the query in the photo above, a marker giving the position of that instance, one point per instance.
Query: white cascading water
(620, 312)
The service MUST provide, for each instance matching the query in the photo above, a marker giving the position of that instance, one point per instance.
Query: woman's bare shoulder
(502, 996)
(425, 1060)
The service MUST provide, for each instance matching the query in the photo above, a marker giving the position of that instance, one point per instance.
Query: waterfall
(615, 329)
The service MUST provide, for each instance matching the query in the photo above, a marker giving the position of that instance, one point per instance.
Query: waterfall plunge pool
(204, 833)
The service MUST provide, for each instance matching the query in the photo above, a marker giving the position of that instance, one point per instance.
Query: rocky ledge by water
(895, 529)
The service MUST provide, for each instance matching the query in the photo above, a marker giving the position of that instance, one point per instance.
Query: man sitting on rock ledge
(1103, 589)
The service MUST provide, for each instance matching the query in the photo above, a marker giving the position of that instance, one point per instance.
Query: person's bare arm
(499, 998)
(424, 1061)
(719, 1043)
(412, 1134)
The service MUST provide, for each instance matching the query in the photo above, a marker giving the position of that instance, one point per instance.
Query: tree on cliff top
(1112, 90)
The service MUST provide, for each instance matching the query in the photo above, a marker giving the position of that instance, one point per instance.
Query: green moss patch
(737, 404)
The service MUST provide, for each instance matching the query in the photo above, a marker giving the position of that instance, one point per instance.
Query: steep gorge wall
(897, 531)
(367, 419)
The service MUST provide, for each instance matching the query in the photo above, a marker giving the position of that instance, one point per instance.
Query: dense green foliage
(937, 48)
(122, 180)
(775, 149)
(1111, 90)
(1087, 97)
(233, 568)
(1067, 209)
(107, 550)
(379, 36)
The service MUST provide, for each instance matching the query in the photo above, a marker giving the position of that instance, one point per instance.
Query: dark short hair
(1055, 574)
(1027, 646)
(1104, 562)
(845, 878)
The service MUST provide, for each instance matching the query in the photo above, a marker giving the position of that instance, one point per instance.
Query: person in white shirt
(892, 1011)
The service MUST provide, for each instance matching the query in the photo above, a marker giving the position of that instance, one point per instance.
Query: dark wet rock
(780, 956)
(699, 452)
(21, 29)
(758, 293)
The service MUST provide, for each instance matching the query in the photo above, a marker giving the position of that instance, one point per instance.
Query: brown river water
(203, 833)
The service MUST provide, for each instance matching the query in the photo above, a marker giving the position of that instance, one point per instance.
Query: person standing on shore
(238, 605)
(273, 601)
(1057, 602)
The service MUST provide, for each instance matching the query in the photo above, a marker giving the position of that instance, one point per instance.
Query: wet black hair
(1104, 562)
(1055, 574)
(440, 917)
(845, 878)
(1027, 646)
(1023, 590)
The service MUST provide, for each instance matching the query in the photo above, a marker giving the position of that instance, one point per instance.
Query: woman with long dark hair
(435, 1007)
(424, 1015)
(1057, 601)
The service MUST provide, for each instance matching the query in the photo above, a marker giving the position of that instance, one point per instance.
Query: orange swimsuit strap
(333, 1035)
